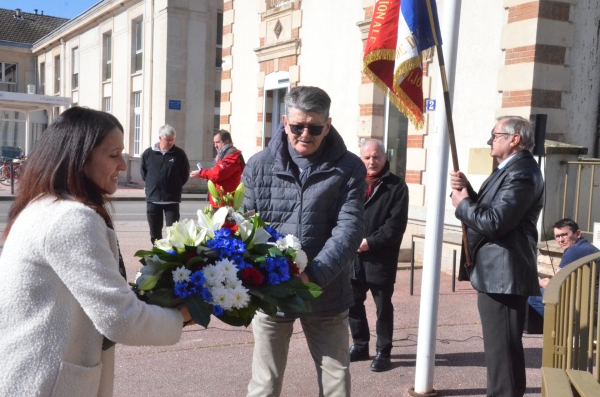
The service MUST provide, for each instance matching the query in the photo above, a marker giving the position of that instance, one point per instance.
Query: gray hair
(165, 131)
(377, 143)
(308, 99)
(521, 126)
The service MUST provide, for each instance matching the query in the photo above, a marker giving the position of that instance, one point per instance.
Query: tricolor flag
(401, 31)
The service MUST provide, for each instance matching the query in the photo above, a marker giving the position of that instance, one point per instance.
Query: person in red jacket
(227, 167)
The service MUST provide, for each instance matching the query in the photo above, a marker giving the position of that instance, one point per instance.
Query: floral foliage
(227, 264)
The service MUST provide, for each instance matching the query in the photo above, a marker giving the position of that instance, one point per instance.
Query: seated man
(568, 236)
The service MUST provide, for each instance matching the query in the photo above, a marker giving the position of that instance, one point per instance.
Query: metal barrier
(571, 317)
(579, 187)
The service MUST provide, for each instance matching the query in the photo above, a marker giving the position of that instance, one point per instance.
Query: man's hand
(458, 180)
(544, 282)
(194, 174)
(364, 246)
(458, 196)
(304, 277)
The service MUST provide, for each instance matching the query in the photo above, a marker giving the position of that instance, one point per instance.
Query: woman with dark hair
(64, 296)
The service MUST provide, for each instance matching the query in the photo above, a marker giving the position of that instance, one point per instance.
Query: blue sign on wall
(430, 105)
(175, 105)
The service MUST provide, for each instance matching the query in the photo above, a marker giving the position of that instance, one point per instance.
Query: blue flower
(217, 310)
(171, 252)
(239, 246)
(274, 278)
(197, 278)
(270, 264)
(224, 232)
(274, 234)
(206, 295)
(181, 290)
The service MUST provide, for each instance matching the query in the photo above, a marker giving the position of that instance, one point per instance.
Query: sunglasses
(314, 130)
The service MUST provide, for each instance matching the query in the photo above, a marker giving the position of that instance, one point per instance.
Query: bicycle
(5, 174)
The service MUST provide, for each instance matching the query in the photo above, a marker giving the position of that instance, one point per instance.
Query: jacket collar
(500, 171)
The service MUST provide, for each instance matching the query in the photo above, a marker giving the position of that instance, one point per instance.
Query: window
(57, 74)
(138, 43)
(107, 56)
(75, 69)
(137, 122)
(43, 78)
(8, 77)
(219, 57)
(106, 104)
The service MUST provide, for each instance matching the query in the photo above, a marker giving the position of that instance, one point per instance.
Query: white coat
(60, 293)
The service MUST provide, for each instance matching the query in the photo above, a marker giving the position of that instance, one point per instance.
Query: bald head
(372, 154)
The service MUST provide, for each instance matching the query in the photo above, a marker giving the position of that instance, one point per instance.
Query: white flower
(261, 236)
(228, 268)
(208, 224)
(163, 244)
(153, 263)
(184, 233)
(301, 260)
(233, 284)
(181, 274)
(240, 297)
(289, 241)
(214, 275)
(222, 297)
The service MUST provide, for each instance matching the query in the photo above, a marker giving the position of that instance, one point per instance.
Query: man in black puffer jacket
(376, 262)
(306, 183)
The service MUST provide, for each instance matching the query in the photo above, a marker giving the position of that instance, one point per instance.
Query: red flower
(191, 255)
(252, 276)
(231, 225)
(294, 267)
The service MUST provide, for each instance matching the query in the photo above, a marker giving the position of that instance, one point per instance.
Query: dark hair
(308, 99)
(224, 135)
(566, 222)
(55, 166)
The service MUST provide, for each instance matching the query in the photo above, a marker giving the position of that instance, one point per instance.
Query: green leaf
(293, 304)
(163, 297)
(275, 250)
(194, 260)
(262, 249)
(262, 297)
(149, 283)
(199, 310)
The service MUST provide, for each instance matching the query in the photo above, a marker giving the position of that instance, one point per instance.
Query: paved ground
(217, 361)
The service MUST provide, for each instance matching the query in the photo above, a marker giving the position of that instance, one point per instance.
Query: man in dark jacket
(165, 169)
(502, 235)
(376, 261)
(226, 172)
(307, 183)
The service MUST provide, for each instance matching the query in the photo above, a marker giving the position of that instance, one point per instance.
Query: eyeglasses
(496, 135)
(561, 236)
(314, 130)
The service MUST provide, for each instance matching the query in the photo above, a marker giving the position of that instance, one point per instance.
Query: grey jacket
(326, 213)
(501, 225)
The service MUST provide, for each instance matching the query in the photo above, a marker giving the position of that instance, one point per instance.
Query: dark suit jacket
(501, 225)
(386, 216)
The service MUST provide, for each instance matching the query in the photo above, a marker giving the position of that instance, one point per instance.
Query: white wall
(334, 65)
(244, 76)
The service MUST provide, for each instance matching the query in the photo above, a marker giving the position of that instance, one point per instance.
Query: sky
(56, 8)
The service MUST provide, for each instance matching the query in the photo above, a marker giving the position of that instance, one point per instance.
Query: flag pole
(449, 120)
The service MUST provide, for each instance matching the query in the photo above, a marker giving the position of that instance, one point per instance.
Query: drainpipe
(62, 68)
(151, 67)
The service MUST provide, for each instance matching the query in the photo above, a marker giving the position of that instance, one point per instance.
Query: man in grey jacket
(307, 183)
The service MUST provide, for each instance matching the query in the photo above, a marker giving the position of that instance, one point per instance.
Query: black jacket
(386, 216)
(501, 225)
(165, 174)
(325, 213)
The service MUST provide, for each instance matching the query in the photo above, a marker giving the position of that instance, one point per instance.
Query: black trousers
(154, 212)
(357, 316)
(502, 321)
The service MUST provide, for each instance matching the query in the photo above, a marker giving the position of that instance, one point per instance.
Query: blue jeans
(536, 303)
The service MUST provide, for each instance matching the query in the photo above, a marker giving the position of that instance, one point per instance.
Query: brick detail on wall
(226, 74)
(540, 53)
(226, 29)
(225, 97)
(228, 6)
(226, 51)
(414, 141)
(267, 67)
(368, 12)
(372, 110)
(286, 62)
(224, 119)
(553, 10)
(534, 98)
(364, 79)
(414, 177)
(296, 33)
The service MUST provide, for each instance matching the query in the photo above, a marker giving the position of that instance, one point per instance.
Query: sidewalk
(124, 193)
(217, 361)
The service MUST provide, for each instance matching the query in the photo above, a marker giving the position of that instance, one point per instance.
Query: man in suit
(502, 236)
(376, 260)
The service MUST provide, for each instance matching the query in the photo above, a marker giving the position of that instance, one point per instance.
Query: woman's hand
(187, 318)
(195, 174)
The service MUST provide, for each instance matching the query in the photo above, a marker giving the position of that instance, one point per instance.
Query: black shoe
(357, 354)
(381, 362)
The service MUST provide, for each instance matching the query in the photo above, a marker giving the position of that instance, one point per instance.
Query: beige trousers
(328, 342)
